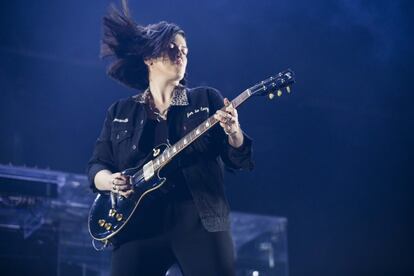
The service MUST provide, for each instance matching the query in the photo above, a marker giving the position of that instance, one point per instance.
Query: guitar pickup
(148, 170)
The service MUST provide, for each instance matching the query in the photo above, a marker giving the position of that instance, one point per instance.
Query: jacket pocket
(119, 135)
(121, 146)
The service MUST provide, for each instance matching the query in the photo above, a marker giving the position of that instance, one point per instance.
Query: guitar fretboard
(180, 145)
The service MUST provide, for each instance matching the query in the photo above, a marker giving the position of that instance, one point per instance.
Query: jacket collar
(179, 96)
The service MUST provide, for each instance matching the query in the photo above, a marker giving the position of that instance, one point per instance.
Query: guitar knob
(101, 222)
(279, 93)
(119, 217)
(271, 96)
(108, 226)
(112, 212)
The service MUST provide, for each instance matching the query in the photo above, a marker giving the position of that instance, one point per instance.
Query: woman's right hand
(114, 182)
(120, 184)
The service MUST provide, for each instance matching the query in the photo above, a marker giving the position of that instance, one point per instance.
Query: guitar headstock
(274, 85)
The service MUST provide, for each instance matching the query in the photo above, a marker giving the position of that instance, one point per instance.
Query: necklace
(159, 115)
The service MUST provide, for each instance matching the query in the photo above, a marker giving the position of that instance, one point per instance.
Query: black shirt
(155, 133)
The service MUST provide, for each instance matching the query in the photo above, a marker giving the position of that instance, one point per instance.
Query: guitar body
(110, 212)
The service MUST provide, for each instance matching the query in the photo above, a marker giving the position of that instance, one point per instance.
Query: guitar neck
(265, 87)
(193, 135)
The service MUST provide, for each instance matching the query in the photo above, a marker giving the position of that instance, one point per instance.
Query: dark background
(335, 157)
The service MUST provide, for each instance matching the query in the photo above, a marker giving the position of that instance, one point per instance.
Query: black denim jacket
(201, 163)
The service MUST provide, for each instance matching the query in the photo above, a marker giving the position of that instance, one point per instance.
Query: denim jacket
(116, 148)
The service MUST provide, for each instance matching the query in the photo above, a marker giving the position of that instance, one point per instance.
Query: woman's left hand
(229, 121)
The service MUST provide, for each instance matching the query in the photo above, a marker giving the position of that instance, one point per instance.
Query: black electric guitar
(110, 212)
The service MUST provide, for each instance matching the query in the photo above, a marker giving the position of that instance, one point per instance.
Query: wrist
(236, 138)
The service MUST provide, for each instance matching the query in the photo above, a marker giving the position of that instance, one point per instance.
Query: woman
(188, 224)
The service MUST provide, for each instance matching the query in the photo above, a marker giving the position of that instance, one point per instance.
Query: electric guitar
(110, 212)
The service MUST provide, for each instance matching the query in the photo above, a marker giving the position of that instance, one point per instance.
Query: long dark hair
(130, 44)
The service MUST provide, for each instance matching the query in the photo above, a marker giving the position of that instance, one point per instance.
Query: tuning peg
(271, 96)
(288, 89)
(279, 93)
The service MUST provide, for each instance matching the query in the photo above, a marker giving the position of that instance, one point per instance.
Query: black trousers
(183, 240)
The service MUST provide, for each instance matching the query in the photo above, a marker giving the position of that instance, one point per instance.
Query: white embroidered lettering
(197, 110)
(121, 120)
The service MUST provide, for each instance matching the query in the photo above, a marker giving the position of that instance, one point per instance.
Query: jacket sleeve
(240, 158)
(102, 156)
